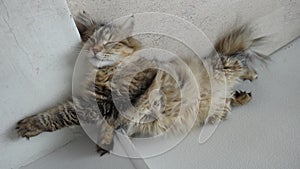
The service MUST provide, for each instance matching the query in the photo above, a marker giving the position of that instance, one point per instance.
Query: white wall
(37, 42)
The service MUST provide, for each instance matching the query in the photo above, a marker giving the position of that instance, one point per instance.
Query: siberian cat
(108, 46)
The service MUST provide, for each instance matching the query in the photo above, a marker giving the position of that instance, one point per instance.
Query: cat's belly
(174, 108)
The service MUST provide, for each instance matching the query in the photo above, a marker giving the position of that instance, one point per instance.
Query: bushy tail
(240, 41)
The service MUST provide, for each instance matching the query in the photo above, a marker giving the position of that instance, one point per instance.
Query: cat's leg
(240, 98)
(220, 112)
(105, 136)
(63, 115)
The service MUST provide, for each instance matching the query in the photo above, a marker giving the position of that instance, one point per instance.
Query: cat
(107, 46)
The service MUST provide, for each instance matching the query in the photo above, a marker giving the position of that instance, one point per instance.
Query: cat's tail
(240, 41)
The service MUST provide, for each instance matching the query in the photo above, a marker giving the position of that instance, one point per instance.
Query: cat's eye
(109, 45)
(93, 40)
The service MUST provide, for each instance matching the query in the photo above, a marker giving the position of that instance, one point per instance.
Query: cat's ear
(85, 25)
(122, 29)
(127, 26)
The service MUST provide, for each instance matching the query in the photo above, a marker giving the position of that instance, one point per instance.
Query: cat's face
(109, 44)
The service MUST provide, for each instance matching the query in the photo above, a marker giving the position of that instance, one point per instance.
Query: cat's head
(106, 44)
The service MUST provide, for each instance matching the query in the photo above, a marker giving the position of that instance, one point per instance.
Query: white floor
(263, 134)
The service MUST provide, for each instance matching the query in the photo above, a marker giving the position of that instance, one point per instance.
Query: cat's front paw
(213, 119)
(29, 127)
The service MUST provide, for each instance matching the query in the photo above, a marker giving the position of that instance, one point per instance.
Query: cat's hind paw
(241, 98)
(250, 75)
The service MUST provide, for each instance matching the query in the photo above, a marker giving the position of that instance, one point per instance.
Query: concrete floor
(263, 134)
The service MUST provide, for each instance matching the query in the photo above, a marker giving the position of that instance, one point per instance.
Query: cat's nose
(96, 49)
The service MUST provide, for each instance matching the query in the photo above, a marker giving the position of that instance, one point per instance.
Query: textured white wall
(279, 19)
(38, 38)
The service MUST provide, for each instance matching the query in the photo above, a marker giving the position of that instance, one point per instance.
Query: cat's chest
(104, 75)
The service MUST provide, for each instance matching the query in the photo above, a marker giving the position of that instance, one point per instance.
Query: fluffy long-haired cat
(107, 47)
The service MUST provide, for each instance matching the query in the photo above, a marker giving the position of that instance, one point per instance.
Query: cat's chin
(101, 63)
